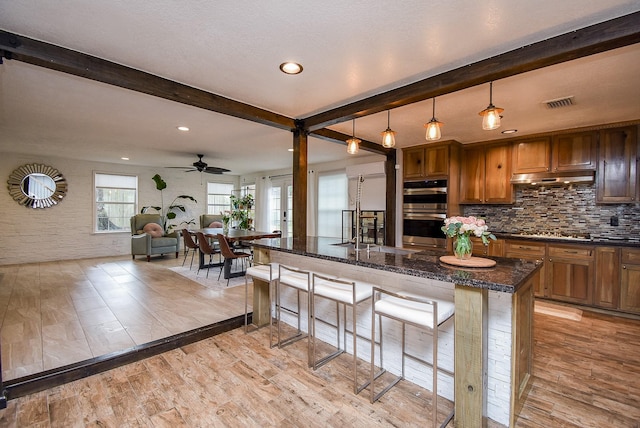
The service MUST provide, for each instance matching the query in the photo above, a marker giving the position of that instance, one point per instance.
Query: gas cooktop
(554, 235)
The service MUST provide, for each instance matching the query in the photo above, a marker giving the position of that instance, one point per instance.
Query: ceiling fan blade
(215, 170)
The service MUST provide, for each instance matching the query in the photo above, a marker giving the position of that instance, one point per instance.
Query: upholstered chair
(148, 238)
(207, 219)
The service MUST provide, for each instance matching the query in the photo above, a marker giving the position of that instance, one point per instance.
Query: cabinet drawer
(571, 252)
(630, 256)
(521, 248)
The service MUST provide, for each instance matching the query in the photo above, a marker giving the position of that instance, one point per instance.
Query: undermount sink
(372, 248)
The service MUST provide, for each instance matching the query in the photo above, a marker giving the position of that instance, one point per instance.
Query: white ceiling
(349, 50)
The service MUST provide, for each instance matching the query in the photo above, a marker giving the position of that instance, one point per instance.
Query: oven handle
(424, 216)
(430, 191)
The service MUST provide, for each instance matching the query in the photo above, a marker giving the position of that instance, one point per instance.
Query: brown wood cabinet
(617, 180)
(494, 249)
(426, 161)
(630, 280)
(528, 250)
(570, 273)
(485, 175)
(532, 155)
(574, 152)
(606, 293)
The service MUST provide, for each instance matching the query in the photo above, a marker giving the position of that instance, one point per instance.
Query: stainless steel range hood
(551, 178)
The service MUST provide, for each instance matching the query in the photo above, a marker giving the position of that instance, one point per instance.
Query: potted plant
(173, 208)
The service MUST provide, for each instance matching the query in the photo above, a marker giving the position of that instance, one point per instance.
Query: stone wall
(566, 209)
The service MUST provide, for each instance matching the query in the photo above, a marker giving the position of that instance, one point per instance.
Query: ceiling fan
(202, 166)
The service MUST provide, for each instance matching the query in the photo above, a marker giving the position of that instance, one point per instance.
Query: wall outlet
(613, 221)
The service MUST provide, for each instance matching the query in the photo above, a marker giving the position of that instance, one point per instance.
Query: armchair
(147, 237)
(207, 219)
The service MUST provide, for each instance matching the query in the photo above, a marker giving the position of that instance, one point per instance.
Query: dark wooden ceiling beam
(612, 34)
(57, 58)
(339, 137)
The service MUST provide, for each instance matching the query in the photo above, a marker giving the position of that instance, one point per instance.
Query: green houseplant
(172, 210)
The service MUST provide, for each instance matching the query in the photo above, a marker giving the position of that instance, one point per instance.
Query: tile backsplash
(567, 210)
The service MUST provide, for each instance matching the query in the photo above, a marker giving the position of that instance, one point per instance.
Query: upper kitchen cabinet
(426, 161)
(574, 152)
(532, 155)
(617, 166)
(485, 174)
(565, 152)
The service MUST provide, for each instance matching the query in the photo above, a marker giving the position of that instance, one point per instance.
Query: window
(218, 197)
(116, 197)
(332, 199)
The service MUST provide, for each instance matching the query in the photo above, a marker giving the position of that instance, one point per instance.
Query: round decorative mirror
(37, 186)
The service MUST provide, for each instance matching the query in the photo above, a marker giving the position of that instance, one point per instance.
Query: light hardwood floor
(586, 374)
(58, 313)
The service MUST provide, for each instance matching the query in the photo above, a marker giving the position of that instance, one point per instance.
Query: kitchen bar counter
(488, 347)
(507, 276)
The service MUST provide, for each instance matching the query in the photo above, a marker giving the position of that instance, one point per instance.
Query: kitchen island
(492, 332)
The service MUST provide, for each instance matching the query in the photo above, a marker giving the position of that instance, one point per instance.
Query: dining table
(232, 235)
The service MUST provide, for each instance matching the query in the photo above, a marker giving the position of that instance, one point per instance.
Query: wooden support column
(390, 204)
(299, 181)
(471, 331)
(261, 296)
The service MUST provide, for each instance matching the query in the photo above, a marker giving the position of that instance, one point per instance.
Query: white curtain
(263, 187)
(312, 203)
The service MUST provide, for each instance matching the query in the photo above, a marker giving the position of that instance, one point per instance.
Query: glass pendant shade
(433, 130)
(491, 115)
(388, 136)
(433, 126)
(353, 143)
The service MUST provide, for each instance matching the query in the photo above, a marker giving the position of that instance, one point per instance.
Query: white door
(281, 206)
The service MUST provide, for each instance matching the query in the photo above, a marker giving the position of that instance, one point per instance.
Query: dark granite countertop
(507, 276)
(632, 242)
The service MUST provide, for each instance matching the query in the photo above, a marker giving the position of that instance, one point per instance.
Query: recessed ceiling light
(509, 131)
(291, 68)
(289, 150)
(123, 158)
(183, 128)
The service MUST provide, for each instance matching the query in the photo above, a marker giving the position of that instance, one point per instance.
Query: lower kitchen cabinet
(528, 250)
(495, 248)
(570, 273)
(630, 280)
(606, 293)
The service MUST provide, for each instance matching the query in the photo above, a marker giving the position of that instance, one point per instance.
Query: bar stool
(265, 272)
(345, 292)
(419, 311)
(298, 280)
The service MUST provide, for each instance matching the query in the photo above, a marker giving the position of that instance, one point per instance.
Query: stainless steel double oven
(424, 210)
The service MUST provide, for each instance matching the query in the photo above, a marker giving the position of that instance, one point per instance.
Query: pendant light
(388, 136)
(491, 115)
(353, 144)
(433, 126)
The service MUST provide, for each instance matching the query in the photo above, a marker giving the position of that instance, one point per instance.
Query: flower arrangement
(461, 229)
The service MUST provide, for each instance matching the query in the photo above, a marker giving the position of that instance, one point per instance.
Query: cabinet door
(630, 281)
(413, 163)
(532, 156)
(436, 161)
(573, 152)
(607, 286)
(498, 188)
(472, 176)
(570, 274)
(617, 163)
(533, 251)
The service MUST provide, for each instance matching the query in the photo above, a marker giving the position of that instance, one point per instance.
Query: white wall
(65, 231)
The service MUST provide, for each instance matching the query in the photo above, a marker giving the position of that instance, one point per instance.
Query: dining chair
(230, 255)
(205, 248)
(189, 245)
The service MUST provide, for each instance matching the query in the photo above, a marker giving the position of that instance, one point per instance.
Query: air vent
(560, 102)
